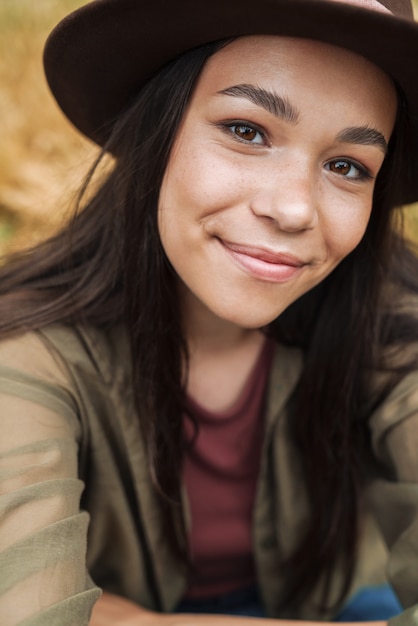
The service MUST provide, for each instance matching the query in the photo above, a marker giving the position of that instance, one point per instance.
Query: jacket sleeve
(395, 497)
(42, 530)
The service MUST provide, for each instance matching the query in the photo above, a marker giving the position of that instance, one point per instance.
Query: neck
(221, 355)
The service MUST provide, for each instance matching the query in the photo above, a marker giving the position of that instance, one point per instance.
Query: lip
(264, 264)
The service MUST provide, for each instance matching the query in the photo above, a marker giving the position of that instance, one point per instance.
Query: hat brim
(101, 55)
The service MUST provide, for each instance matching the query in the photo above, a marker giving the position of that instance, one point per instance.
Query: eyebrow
(364, 135)
(268, 100)
(282, 108)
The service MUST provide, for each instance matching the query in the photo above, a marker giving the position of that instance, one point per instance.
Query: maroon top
(220, 475)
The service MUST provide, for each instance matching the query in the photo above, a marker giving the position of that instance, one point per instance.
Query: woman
(208, 380)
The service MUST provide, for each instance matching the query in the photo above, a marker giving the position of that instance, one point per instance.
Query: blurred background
(42, 158)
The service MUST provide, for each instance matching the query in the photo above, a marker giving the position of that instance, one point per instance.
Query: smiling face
(270, 181)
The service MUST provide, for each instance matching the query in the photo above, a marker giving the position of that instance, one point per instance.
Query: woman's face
(270, 181)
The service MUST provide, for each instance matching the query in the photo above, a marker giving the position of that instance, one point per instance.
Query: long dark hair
(109, 267)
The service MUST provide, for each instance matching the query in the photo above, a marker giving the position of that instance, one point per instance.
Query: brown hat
(98, 57)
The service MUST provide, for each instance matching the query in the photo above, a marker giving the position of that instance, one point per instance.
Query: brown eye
(348, 169)
(340, 167)
(246, 133)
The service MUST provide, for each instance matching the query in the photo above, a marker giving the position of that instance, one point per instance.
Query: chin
(250, 320)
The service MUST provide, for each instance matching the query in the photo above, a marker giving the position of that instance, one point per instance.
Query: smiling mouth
(264, 264)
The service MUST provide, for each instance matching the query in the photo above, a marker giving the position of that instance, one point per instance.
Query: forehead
(295, 66)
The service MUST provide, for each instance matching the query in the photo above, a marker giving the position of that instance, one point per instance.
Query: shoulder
(400, 298)
(398, 349)
(51, 349)
(100, 353)
(77, 368)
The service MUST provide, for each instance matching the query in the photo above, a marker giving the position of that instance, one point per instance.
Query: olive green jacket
(77, 505)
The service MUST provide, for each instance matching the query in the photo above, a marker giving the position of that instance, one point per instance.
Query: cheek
(344, 229)
(199, 181)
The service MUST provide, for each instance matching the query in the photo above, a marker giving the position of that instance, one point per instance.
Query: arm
(394, 429)
(113, 610)
(42, 531)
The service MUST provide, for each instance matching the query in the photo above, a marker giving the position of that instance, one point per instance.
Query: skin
(275, 190)
(258, 206)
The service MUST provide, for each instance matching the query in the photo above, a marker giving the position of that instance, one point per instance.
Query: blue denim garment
(245, 602)
(369, 604)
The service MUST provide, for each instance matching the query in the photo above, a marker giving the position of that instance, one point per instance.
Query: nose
(288, 197)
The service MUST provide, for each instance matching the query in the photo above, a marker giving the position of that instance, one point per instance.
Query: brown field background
(42, 157)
